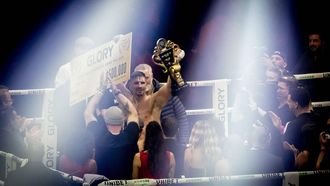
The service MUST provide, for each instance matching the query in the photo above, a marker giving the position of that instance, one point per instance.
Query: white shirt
(63, 75)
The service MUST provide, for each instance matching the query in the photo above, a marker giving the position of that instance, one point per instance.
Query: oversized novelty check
(113, 57)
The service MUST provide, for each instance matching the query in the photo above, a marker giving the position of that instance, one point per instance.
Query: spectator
(279, 61)
(35, 172)
(278, 115)
(5, 97)
(170, 130)
(315, 58)
(302, 134)
(12, 139)
(154, 161)
(258, 159)
(282, 110)
(203, 153)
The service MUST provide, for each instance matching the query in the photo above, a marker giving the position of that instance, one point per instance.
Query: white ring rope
(202, 83)
(21, 160)
(312, 76)
(321, 104)
(206, 111)
(30, 91)
(215, 179)
(200, 112)
(190, 83)
(211, 111)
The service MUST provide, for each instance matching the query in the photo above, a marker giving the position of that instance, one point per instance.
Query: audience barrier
(215, 111)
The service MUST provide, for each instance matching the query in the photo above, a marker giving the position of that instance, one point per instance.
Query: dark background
(24, 23)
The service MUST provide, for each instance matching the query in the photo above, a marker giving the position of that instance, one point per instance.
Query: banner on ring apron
(220, 102)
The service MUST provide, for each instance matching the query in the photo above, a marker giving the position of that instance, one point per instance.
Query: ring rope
(211, 111)
(215, 179)
(321, 104)
(312, 76)
(30, 91)
(190, 83)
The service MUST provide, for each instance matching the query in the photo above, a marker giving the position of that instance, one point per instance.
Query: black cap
(133, 76)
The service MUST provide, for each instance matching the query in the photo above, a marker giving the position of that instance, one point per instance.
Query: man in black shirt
(115, 148)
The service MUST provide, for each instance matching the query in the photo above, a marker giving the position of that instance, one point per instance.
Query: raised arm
(163, 95)
(125, 91)
(91, 108)
(95, 100)
(126, 105)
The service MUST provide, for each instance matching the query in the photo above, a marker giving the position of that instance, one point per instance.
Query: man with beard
(148, 106)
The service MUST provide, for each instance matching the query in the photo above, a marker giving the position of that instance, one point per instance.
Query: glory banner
(112, 58)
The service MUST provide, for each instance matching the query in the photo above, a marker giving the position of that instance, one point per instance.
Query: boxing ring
(219, 109)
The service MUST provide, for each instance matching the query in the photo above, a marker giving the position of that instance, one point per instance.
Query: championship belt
(168, 55)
